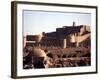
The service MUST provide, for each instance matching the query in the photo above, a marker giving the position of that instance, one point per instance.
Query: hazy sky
(35, 22)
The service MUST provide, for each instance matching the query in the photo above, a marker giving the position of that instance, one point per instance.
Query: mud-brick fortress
(66, 36)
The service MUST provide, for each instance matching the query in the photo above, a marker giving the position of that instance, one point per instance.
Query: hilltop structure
(66, 36)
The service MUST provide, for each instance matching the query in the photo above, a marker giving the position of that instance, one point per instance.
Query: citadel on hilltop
(68, 46)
